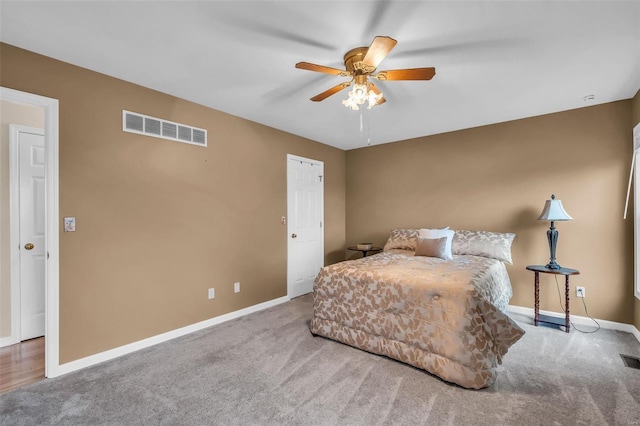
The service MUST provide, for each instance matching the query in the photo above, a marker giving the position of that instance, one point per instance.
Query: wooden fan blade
(335, 89)
(321, 68)
(375, 90)
(379, 49)
(407, 74)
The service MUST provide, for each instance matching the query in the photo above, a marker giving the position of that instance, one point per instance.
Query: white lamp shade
(553, 211)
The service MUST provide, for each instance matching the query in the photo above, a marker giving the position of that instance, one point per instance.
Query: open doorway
(17, 107)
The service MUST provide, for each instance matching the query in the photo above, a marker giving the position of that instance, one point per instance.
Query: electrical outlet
(212, 293)
(236, 287)
(580, 292)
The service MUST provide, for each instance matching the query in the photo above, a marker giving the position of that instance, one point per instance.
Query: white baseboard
(7, 341)
(611, 325)
(164, 337)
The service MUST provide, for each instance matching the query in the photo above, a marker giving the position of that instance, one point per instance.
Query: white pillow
(439, 233)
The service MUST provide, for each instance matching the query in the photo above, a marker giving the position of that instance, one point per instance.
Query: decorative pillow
(431, 247)
(439, 233)
(402, 239)
(484, 243)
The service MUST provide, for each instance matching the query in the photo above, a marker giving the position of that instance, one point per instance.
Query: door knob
(29, 246)
(294, 236)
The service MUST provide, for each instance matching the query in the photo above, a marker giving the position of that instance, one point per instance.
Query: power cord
(585, 311)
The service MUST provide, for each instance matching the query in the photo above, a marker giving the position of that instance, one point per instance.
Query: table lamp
(553, 211)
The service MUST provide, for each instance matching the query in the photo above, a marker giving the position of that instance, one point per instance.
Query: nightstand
(567, 272)
(364, 251)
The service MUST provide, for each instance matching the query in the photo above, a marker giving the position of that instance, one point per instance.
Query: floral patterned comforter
(446, 317)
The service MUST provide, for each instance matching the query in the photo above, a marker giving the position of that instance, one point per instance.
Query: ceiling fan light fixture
(374, 98)
(359, 95)
(350, 103)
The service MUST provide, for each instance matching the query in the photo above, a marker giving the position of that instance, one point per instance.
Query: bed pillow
(402, 239)
(440, 233)
(495, 245)
(431, 247)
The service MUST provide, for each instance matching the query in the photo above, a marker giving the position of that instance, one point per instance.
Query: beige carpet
(267, 369)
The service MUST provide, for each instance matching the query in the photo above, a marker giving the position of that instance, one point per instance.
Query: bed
(446, 315)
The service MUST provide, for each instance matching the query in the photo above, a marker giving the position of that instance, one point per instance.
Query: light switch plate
(69, 224)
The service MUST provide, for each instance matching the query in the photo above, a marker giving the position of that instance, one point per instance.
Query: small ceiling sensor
(589, 98)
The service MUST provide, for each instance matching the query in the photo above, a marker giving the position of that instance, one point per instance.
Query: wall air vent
(150, 126)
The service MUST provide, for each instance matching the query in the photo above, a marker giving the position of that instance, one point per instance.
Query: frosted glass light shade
(359, 94)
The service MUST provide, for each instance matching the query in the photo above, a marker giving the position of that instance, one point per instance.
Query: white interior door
(30, 144)
(305, 205)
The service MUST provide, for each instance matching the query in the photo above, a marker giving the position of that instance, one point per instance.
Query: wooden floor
(21, 364)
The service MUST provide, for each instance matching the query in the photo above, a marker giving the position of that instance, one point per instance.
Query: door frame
(289, 231)
(14, 223)
(52, 236)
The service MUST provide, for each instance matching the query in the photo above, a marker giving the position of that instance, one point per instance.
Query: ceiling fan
(360, 64)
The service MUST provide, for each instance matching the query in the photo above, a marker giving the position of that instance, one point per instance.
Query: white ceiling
(495, 61)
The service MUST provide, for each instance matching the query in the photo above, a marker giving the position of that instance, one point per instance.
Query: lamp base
(552, 265)
(552, 237)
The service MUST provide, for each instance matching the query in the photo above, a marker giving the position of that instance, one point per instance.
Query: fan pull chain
(368, 128)
(362, 126)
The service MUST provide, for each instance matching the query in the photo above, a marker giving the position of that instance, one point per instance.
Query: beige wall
(159, 222)
(635, 120)
(10, 113)
(497, 178)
